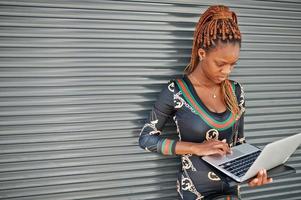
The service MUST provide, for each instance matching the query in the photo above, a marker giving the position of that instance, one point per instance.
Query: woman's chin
(219, 80)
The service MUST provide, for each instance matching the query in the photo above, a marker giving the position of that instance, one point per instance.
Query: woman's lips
(221, 79)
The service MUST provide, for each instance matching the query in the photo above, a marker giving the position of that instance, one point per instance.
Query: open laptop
(246, 160)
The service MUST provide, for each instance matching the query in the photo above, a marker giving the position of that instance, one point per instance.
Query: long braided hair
(217, 25)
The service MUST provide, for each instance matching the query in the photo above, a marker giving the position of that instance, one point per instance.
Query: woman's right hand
(211, 147)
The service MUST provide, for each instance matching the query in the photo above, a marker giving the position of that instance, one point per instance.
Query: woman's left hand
(261, 179)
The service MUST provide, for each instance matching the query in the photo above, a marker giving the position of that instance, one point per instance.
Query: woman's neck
(200, 79)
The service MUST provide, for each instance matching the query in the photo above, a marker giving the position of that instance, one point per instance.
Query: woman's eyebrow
(223, 61)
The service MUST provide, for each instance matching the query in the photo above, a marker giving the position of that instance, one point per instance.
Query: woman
(206, 106)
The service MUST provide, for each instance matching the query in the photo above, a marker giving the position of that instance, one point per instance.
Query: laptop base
(276, 172)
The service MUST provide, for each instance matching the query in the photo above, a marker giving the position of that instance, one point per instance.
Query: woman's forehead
(225, 52)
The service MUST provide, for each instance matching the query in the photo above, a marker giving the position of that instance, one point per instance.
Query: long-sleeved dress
(195, 123)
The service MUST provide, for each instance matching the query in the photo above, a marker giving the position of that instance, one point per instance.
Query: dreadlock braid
(217, 24)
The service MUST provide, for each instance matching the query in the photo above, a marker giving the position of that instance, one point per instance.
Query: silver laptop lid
(274, 154)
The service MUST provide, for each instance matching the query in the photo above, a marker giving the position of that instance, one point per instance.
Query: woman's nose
(227, 69)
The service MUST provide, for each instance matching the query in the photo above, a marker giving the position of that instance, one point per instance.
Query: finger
(219, 152)
(229, 150)
(219, 149)
(222, 146)
(270, 180)
(253, 182)
(259, 177)
(226, 148)
(264, 177)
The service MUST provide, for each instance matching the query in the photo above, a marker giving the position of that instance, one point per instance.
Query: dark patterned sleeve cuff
(241, 141)
(167, 146)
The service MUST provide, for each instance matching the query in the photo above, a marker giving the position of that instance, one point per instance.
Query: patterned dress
(195, 123)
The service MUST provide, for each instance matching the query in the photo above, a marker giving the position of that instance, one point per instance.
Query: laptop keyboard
(240, 165)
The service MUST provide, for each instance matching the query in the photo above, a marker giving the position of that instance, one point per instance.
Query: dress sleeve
(150, 136)
(241, 102)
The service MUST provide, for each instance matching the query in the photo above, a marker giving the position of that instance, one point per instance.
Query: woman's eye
(223, 64)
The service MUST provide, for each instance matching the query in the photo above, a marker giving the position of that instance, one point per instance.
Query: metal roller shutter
(78, 79)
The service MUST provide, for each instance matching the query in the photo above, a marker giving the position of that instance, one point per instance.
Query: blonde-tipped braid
(229, 97)
(217, 24)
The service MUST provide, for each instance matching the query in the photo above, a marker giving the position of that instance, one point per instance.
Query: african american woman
(207, 108)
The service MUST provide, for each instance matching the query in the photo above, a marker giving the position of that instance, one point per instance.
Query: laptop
(246, 159)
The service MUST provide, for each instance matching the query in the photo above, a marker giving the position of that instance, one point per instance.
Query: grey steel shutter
(78, 79)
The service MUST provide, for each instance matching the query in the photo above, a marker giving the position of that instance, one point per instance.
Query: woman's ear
(201, 53)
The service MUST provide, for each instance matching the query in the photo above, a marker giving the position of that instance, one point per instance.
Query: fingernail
(255, 180)
(261, 172)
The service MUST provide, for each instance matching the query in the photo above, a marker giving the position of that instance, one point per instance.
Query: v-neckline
(199, 100)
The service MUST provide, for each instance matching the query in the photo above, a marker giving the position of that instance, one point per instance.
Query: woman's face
(218, 62)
